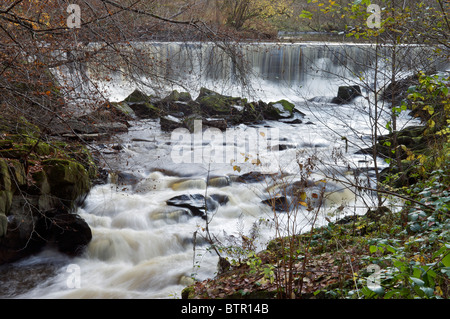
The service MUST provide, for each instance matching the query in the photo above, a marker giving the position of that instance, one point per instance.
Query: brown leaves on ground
(321, 271)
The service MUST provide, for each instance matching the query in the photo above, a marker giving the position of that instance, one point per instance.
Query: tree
(239, 12)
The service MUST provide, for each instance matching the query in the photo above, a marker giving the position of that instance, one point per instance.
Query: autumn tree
(239, 12)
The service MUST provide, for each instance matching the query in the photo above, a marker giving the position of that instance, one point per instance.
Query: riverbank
(387, 253)
(41, 182)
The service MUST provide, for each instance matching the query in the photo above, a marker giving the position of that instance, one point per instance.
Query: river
(144, 248)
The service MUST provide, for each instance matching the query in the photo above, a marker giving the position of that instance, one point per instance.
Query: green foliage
(256, 267)
(430, 99)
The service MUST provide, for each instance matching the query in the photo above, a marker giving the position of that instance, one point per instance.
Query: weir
(249, 67)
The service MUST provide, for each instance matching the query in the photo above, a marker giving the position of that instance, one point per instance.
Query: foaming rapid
(144, 248)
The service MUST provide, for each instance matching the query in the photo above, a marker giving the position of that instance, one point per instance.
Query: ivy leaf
(446, 260)
(306, 15)
(418, 281)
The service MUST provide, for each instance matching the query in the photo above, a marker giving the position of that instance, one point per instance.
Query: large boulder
(68, 231)
(195, 203)
(215, 104)
(282, 108)
(68, 179)
(178, 104)
(142, 105)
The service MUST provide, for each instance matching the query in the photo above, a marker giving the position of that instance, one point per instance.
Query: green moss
(18, 171)
(44, 149)
(288, 106)
(17, 152)
(19, 126)
(214, 104)
(178, 96)
(5, 202)
(188, 293)
(123, 108)
(5, 178)
(82, 155)
(279, 109)
(67, 179)
(137, 96)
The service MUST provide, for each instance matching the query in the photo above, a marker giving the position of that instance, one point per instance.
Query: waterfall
(161, 66)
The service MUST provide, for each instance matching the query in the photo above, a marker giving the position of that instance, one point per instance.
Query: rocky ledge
(179, 109)
(40, 184)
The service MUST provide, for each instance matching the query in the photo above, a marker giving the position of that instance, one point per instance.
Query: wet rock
(284, 109)
(215, 104)
(296, 121)
(278, 203)
(252, 177)
(170, 123)
(68, 179)
(171, 214)
(219, 181)
(221, 199)
(69, 232)
(196, 203)
(178, 104)
(377, 213)
(144, 110)
(347, 220)
(142, 105)
(219, 123)
(346, 94)
(398, 90)
(45, 182)
(137, 96)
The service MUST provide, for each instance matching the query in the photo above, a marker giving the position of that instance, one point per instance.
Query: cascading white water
(144, 248)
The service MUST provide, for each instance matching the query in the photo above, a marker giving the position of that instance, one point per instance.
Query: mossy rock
(3, 225)
(5, 177)
(44, 149)
(18, 173)
(287, 106)
(278, 110)
(5, 205)
(178, 96)
(17, 152)
(123, 108)
(137, 96)
(68, 180)
(19, 126)
(40, 185)
(144, 110)
(5, 202)
(82, 155)
(213, 103)
(188, 293)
